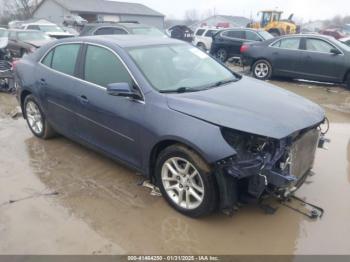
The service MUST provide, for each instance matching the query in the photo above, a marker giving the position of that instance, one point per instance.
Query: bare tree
(18, 9)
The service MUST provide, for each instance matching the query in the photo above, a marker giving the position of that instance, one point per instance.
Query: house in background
(225, 21)
(98, 10)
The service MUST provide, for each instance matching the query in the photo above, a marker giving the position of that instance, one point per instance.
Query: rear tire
(36, 119)
(186, 181)
(222, 55)
(262, 69)
(202, 46)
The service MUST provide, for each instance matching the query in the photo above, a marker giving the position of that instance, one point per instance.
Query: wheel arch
(260, 58)
(23, 96)
(346, 75)
(163, 144)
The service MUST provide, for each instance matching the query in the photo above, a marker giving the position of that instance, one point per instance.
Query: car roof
(125, 41)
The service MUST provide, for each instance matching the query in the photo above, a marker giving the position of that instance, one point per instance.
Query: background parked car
(227, 43)
(51, 30)
(181, 32)
(336, 33)
(3, 42)
(121, 28)
(74, 20)
(203, 37)
(345, 40)
(311, 57)
(26, 41)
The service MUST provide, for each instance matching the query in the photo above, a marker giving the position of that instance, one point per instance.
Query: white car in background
(51, 30)
(203, 37)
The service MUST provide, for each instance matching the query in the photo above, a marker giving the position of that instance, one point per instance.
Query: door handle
(42, 82)
(83, 99)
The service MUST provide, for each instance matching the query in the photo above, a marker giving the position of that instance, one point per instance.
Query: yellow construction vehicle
(271, 22)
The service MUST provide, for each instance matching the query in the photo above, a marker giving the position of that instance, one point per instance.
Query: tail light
(244, 48)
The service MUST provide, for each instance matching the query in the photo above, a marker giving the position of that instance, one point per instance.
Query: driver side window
(102, 67)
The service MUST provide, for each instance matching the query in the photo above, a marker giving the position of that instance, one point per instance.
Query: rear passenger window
(65, 57)
(102, 67)
(110, 31)
(200, 32)
(288, 43)
(234, 34)
(249, 35)
(48, 59)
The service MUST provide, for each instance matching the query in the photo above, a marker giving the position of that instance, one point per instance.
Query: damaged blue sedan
(206, 136)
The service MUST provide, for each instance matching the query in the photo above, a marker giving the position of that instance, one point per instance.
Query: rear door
(285, 56)
(319, 63)
(56, 78)
(108, 122)
(232, 41)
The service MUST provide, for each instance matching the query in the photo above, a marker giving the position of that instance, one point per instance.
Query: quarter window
(48, 59)
(200, 32)
(102, 67)
(210, 33)
(65, 57)
(288, 43)
(318, 45)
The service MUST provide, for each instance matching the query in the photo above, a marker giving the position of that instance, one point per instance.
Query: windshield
(265, 35)
(50, 28)
(3, 33)
(147, 31)
(32, 36)
(180, 66)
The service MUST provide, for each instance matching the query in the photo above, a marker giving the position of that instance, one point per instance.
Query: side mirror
(335, 51)
(122, 90)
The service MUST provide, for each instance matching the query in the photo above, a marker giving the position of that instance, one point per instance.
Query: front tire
(36, 119)
(262, 70)
(186, 181)
(347, 81)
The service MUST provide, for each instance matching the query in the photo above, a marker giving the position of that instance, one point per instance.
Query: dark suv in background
(227, 43)
(120, 28)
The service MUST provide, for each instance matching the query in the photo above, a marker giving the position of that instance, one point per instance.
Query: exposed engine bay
(267, 167)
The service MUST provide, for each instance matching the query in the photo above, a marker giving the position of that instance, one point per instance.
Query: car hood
(38, 43)
(250, 106)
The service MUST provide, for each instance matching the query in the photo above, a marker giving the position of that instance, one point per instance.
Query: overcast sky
(306, 9)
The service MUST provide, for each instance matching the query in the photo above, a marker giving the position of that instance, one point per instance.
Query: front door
(109, 123)
(319, 63)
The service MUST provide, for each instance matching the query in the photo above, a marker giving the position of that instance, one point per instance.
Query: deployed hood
(250, 106)
(59, 35)
(38, 43)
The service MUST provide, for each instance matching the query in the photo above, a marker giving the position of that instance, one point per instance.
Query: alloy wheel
(261, 70)
(34, 117)
(183, 183)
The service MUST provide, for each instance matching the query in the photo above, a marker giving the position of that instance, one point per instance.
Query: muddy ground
(100, 209)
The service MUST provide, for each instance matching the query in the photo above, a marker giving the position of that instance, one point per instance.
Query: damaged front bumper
(278, 167)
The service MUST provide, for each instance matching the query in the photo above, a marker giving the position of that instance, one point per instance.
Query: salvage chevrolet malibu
(207, 137)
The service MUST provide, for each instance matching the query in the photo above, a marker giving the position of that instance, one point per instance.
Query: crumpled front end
(265, 165)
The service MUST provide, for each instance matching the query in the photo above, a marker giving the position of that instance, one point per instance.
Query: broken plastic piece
(154, 190)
